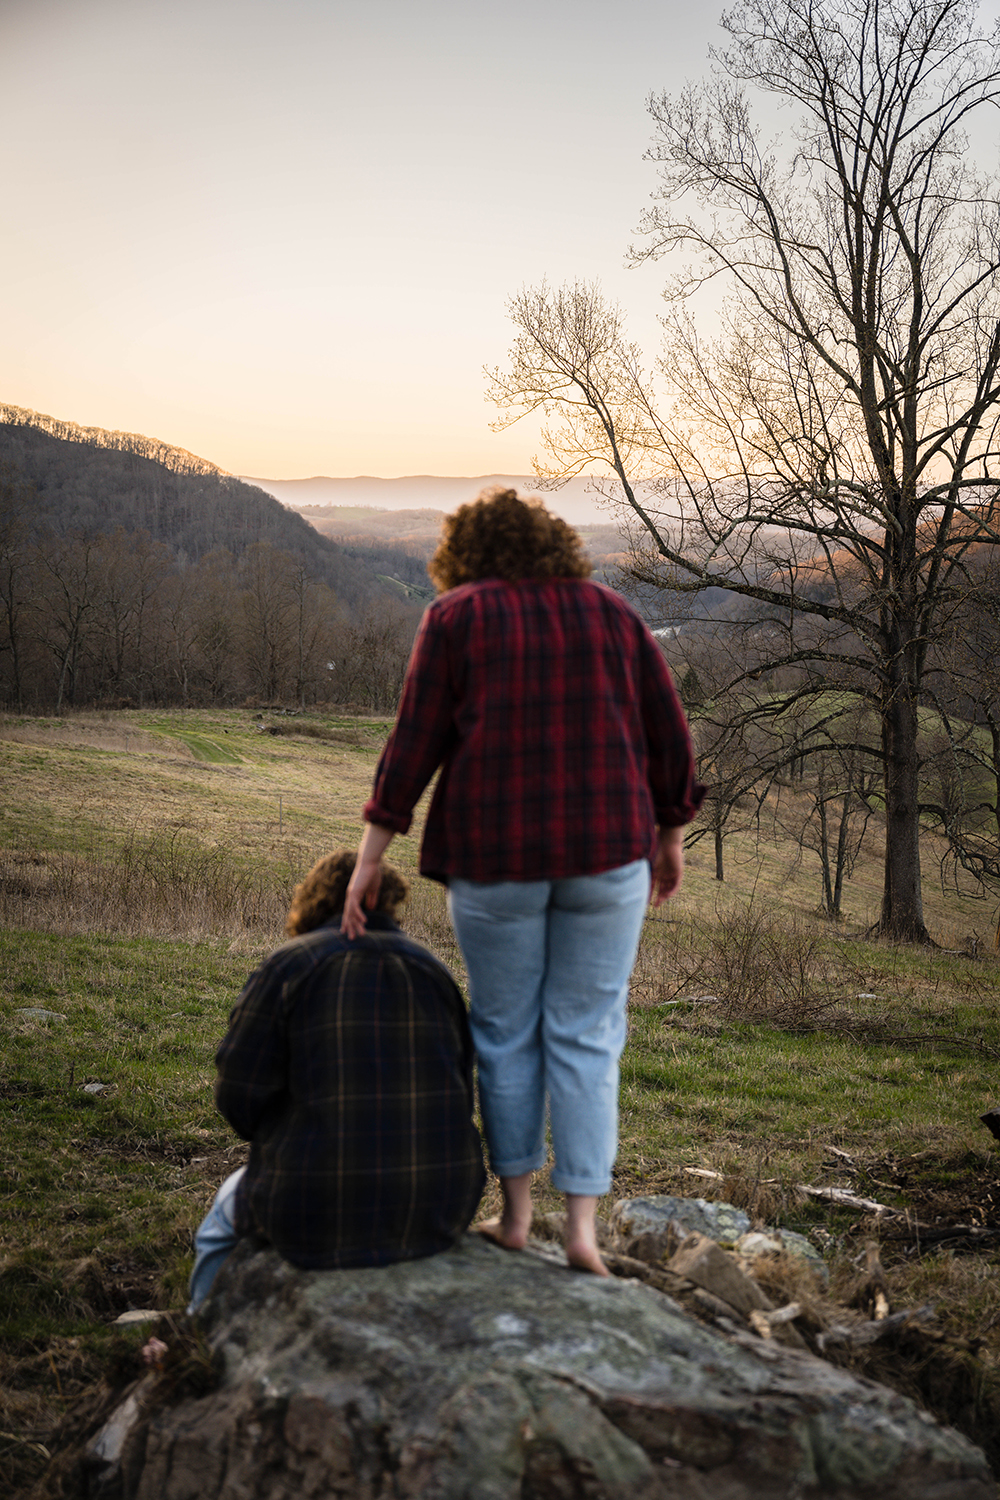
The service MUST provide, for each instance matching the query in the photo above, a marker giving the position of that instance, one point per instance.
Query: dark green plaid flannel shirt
(348, 1067)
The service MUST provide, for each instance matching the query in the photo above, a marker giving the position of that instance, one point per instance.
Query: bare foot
(507, 1236)
(585, 1256)
(581, 1235)
(510, 1231)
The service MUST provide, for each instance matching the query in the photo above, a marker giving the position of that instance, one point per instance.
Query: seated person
(348, 1068)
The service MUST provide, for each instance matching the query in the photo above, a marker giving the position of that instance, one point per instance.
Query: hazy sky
(281, 233)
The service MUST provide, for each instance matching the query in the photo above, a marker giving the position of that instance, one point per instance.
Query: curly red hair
(499, 535)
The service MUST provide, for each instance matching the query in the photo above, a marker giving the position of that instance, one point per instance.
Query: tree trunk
(62, 683)
(902, 916)
(824, 859)
(842, 835)
(718, 852)
(13, 623)
(824, 841)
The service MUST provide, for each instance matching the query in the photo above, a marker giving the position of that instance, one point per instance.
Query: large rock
(481, 1375)
(670, 1219)
(719, 1221)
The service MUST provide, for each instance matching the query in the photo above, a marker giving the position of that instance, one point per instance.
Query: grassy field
(146, 860)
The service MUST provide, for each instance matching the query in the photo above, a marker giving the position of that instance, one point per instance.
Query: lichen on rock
(497, 1376)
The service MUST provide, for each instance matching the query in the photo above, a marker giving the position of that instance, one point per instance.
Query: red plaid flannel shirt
(560, 737)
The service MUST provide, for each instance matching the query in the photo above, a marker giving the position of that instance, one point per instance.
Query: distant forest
(133, 573)
(136, 573)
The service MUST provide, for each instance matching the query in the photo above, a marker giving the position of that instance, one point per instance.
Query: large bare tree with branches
(829, 452)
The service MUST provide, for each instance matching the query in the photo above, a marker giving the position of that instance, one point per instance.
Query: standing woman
(566, 769)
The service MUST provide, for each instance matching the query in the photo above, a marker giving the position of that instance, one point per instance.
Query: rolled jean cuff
(582, 1187)
(215, 1240)
(518, 1168)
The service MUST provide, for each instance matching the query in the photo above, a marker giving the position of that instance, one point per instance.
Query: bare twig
(845, 1199)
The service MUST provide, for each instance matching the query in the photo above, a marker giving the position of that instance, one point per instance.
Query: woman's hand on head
(361, 896)
(363, 887)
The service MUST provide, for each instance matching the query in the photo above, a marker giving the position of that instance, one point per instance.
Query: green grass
(118, 1175)
(201, 747)
(140, 884)
(125, 1173)
(121, 1176)
(696, 1093)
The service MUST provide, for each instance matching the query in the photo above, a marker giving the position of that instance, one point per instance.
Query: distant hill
(408, 512)
(574, 500)
(421, 529)
(91, 479)
(416, 530)
(366, 537)
(416, 533)
(134, 572)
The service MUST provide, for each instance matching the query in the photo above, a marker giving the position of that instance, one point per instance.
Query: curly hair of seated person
(499, 535)
(321, 895)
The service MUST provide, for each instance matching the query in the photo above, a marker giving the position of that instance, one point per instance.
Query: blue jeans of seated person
(549, 964)
(215, 1239)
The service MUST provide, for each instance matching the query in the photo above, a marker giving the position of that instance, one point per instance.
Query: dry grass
(749, 962)
(156, 884)
(120, 824)
(279, 790)
(85, 732)
(776, 875)
(760, 1034)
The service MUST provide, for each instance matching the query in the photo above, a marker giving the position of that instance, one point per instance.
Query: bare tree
(830, 454)
(319, 623)
(214, 590)
(131, 571)
(291, 623)
(68, 572)
(829, 816)
(725, 765)
(373, 655)
(178, 624)
(735, 758)
(269, 617)
(15, 578)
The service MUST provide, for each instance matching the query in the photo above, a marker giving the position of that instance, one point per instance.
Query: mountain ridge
(575, 500)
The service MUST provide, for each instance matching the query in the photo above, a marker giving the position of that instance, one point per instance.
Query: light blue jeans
(215, 1239)
(549, 964)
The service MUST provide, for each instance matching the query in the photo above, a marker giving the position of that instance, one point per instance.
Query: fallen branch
(848, 1200)
(717, 1176)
